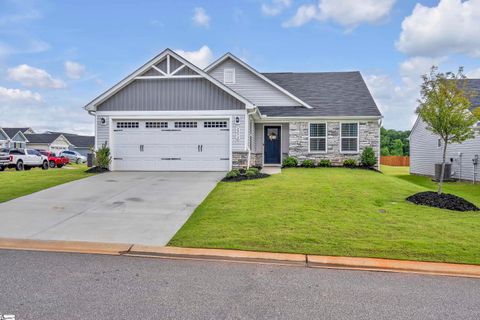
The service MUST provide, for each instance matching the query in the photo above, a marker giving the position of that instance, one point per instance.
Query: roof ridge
(307, 72)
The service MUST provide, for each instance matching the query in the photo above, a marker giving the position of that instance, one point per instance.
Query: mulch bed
(243, 177)
(96, 170)
(444, 201)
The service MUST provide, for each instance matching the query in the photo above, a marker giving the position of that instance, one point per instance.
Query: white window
(349, 137)
(318, 137)
(229, 76)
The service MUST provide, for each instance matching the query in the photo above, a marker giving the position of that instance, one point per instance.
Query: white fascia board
(91, 106)
(290, 119)
(258, 74)
(172, 113)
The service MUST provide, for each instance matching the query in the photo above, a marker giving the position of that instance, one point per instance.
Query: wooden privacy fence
(397, 161)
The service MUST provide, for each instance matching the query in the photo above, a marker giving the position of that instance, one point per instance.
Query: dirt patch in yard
(444, 201)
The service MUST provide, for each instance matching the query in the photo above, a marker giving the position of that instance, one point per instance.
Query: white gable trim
(92, 105)
(258, 74)
(22, 136)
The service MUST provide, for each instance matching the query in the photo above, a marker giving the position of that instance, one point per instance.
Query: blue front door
(272, 145)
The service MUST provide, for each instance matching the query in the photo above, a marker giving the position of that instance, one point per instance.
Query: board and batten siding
(251, 86)
(424, 153)
(238, 131)
(171, 95)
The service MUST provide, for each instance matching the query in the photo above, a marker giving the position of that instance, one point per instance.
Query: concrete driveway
(122, 207)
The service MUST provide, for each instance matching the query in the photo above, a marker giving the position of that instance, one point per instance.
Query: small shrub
(308, 163)
(256, 170)
(368, 158)
(350, 163)
(290, 162)
(251, 173)
(233, 174)
(102, 157)
(325, 163)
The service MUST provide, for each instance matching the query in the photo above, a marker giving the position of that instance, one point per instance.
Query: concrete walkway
(119, 207)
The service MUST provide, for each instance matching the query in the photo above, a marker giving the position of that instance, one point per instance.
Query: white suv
(73, 156)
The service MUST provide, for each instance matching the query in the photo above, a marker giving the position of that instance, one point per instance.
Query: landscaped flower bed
(236, 175)
(444, 201)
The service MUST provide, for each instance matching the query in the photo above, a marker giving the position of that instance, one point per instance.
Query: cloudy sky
(55, 56)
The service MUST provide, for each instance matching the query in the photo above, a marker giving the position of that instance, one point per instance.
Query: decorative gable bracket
(169, 68)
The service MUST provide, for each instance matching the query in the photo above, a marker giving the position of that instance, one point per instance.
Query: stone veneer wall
(239, 160)
(298, 146)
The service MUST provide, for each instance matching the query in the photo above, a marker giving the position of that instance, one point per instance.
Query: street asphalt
(41, 285)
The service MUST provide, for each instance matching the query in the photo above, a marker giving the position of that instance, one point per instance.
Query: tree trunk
(442, 173)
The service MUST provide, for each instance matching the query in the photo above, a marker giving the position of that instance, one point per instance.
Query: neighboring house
(426, 148)
(171, 115)
(48, 141)
(79, 143)
(13, 137)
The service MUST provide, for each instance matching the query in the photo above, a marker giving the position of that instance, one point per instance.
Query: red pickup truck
(53, 160)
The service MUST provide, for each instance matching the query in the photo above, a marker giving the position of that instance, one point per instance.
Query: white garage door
(171, 145)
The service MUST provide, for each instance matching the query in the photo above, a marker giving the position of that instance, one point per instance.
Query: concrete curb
(64, 246)
(288, 259)
(219, 255)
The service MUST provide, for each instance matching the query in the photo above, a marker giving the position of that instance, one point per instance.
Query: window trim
(233, 75)
(358, 137)
(326, 136)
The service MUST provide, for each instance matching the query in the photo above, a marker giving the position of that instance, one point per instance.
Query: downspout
(249, 151)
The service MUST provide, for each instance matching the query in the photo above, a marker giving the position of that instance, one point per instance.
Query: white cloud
(74, 70)
(398, 101)
(304, 14)
(34, 77)
(13, 96)
(450, 27)
(275, 7)
(347, 13)
(201, 58)
(473, 74)
(201, 18)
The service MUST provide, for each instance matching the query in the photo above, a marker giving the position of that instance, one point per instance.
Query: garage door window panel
(156, 124)
(215, 124)
(127, 124)
(185, 124)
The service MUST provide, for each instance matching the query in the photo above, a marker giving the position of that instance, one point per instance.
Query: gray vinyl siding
(171, 95)
(252, 87)
(102, 136)
(424, 153)
(238, 132)
(3, 137)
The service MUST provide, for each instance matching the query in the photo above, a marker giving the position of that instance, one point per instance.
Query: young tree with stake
(444, 106)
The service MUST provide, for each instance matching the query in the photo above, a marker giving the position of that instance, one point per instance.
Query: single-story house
(14, 137)
(170, 115)
(426, 149)
(81, 144)
(47, 141)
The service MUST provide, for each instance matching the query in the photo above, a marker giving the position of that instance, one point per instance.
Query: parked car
(4, 158)
(25, 159)
(73, 156)
(53, 159)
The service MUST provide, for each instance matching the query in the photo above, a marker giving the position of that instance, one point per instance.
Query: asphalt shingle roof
(41, 137)
(474, 85)
(329, 93)
(11, 132)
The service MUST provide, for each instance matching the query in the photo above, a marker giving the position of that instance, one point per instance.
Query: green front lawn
(336, 211)
(15, 184)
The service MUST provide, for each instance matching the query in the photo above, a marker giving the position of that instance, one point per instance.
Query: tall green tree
(444, 106)
(397, 149)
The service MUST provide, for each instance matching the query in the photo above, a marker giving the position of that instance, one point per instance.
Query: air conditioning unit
(447, 174)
